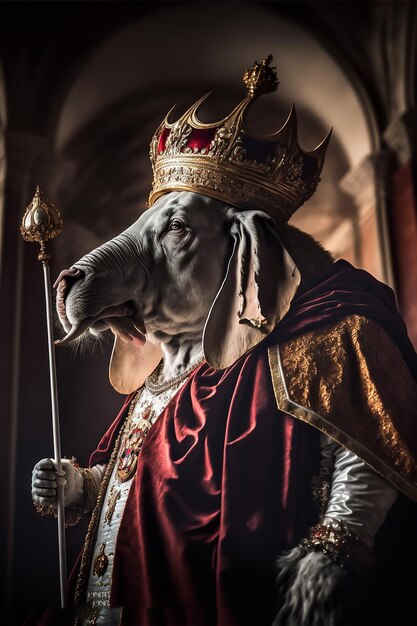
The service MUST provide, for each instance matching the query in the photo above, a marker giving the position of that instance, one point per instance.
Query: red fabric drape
(223, 479)
(219, 492)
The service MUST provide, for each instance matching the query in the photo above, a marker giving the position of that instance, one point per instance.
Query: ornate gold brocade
(350, 381)
(111, 504)
(86, 553)
(146, 406)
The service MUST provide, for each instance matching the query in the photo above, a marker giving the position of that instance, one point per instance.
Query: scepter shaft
(56, 437)
(42, 221)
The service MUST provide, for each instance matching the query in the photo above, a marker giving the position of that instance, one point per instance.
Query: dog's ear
(260, 283)
(130, 366)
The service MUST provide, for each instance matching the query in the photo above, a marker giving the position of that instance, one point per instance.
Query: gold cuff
(90, 489)
(45, 509)
(339, 543)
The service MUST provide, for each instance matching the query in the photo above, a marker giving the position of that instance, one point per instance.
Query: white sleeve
(81, 490)
(359, 496)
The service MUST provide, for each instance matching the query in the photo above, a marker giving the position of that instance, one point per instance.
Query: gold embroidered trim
(90, 489)
(280, 198)
(114, 496)
(86, 554)
(333, 379)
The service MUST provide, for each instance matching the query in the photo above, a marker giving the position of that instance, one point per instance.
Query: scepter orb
(41, 221)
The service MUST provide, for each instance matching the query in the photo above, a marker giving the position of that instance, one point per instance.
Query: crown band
(230, 184)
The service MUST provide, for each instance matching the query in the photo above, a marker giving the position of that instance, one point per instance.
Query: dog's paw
(310, 586)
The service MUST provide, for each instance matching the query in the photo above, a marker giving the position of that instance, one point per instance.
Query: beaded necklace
(154, 385)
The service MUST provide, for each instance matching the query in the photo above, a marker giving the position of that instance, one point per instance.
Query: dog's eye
(176, 224)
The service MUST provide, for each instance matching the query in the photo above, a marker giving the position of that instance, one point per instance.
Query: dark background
(83, 86)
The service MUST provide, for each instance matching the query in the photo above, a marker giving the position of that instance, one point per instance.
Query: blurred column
(401, 136)
(367, 185)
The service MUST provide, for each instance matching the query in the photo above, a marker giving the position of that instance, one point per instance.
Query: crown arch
(123, 92)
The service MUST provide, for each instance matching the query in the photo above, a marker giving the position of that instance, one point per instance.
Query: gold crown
(224, 161)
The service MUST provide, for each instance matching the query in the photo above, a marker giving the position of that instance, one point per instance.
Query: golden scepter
(43, 221)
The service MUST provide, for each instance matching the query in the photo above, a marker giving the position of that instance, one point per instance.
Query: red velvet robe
(219, 493)
(223, 482)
